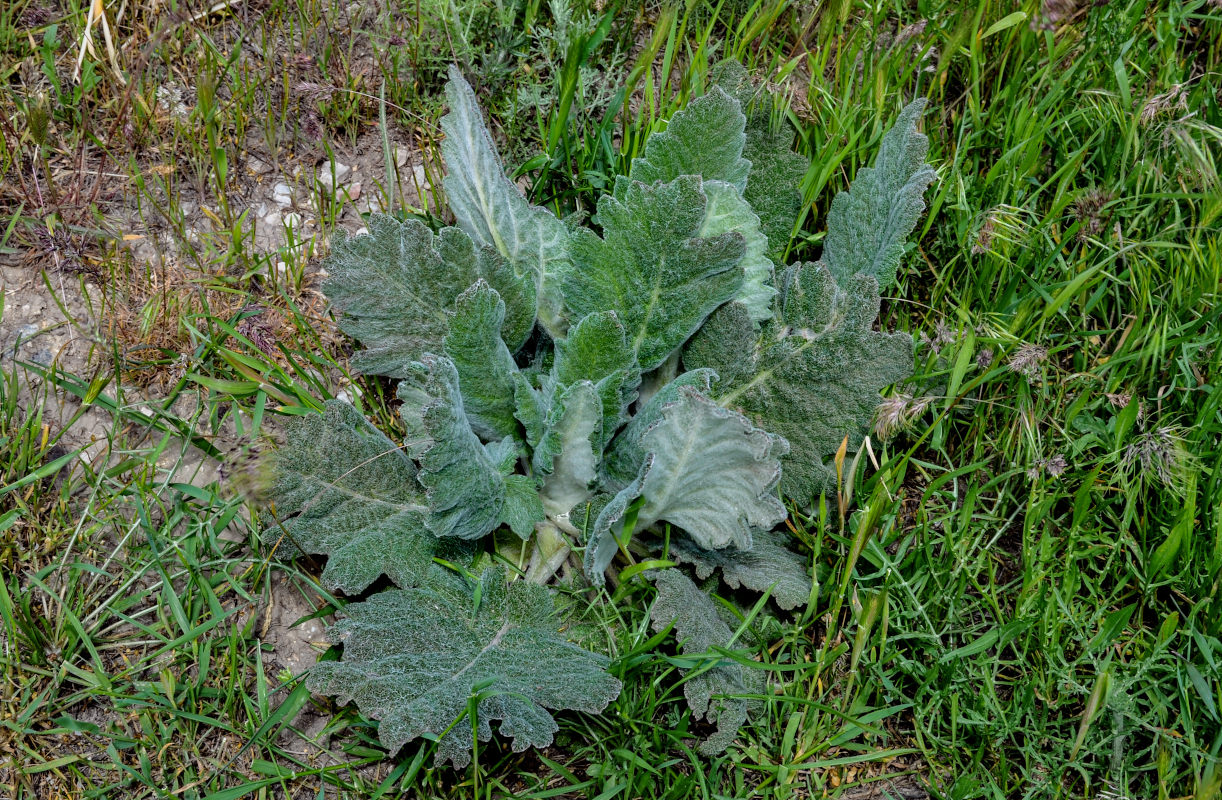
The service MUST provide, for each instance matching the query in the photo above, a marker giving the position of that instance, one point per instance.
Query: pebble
(257, 166)
(333, 174)
(293, 220)
(401, 155)
(354, 191)
(282, 194)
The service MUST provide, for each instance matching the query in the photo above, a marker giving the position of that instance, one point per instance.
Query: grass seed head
(897, 413)
(1159, 455)
(1027, 359)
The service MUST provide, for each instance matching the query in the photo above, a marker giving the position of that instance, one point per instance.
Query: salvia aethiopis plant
(645, 389)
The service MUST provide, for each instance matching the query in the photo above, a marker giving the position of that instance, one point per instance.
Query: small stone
(257, 166)
(293, 220)
(272, 219)
(419, 176)
(282, 194)
(361, 231)
(354, 191)
(333, 174)
(401, 155)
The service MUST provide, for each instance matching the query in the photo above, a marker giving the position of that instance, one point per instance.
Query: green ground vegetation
(1020, 581)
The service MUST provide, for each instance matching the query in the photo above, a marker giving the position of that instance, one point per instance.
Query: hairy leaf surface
(728, 212)
(624, 459)
(569, 451)
(395, 284)
(345, 491)
(714, 474)
(706, 138)
(597, 350)
(463, 479)
(708, 470)
(652, 268)
(485, 367)
(774, 186)
(769, 564)
(700, 629)
(814, 376)
(489, 207)
(867, 225)
(413, 659)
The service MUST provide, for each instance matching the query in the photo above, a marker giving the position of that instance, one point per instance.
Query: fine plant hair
(649, 389)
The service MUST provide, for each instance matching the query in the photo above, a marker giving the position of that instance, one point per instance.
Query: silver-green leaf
(868, 224)
(394, 285)
(700, 630)
(727, 212)
(707, 470)
(768, 564)
(706, 138)
(596, 349)
(652, 267)
(415, 659)
(489, 207)
(344, 490)
(813, 376)
(485, 367)
(714, 474)
(624, 458)
(463, 479)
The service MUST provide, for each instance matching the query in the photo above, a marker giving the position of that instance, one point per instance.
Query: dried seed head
(1088, 209)
(257, 328)
(311, 126)
(984, 359)
(1174, 99)
(984, 236)
(1161, 455)
(310, 91)
(897, 413)
(1027, 360)
(35, 16)
(1053, 466)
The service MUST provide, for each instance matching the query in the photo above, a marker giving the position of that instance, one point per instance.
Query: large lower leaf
(768, 564)
(705, 138)
(652, 268)
(489, 207)
(345, 491)
(813, 377)
(867, 225)
(415, 660)
(700, 630)
(465, 480)
(395, 284)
